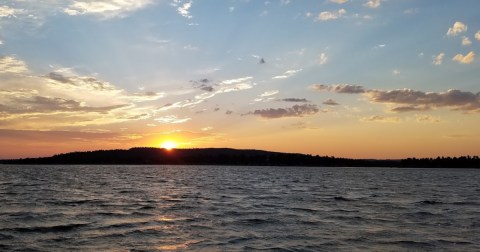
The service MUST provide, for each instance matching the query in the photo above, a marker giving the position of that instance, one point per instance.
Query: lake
(236, 208)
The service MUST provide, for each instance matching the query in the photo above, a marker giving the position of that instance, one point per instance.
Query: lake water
(222, 208)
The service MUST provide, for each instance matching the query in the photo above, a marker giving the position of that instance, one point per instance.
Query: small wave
(137, 213)
(5, 247)
(302, 209)
(73, 202)
(421, 214)
(340, 198)
(447, 242)
(124, 225)
(45, 229)
(237, 240)
(463, 203)
(309, 223)
(146, 207)
(412, 244)
(430, 202)
(6, 236)
(147, 231)
(256, 221)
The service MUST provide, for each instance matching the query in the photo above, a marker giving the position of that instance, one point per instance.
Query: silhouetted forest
(225, 156)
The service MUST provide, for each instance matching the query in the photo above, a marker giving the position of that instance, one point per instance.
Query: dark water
(162, 208)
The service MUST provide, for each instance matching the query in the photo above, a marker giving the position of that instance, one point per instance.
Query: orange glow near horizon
(169, 144)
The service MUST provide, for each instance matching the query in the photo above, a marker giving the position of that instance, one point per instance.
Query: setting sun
(168, 145)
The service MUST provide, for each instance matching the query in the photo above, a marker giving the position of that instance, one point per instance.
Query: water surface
(222, 208)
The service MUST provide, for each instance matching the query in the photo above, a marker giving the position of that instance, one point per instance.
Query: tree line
(226, 156)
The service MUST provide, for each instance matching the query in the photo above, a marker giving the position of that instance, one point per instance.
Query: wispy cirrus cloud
(266, 96)
(269, 93)
(105, 8)
(339, 1)
(225, 86)
(287, 74)
(172, 119)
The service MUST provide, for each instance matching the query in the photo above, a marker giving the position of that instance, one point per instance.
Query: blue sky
(147, 71)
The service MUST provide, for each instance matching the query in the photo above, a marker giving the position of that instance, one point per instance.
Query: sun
(168, 145)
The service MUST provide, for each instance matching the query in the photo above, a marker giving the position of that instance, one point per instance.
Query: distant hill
(226, 156)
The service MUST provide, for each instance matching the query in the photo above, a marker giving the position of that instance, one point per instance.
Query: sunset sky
(345, 78)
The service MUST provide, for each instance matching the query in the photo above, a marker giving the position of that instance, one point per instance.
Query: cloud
(339, 1)
(410, 11)
(406, 100)
(339, 88)
(145, 96)
(105, 8)
(426, 119)
(411, 100)
(295, 111)
(287, 74)
(477, 35)
(226, 86)
(382, 119)
(44, 104)
(467, 59)
(208, 128)
(457, 28)
(466, 41)
(205, 85)
(438, 59)
(190, 48)
(183, 10)
(322, 59)
(54, 100)
(330, 102)
(395, 72)
(329, 15)
(172, 119)
(6, 11)
(372, 4)
(269, 93)
(294, 100)
(266, 96)
(13, 65)
(409, 108)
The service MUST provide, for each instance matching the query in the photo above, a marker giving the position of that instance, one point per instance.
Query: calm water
(162, 208)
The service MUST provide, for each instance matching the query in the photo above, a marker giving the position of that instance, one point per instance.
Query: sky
(344, 78)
